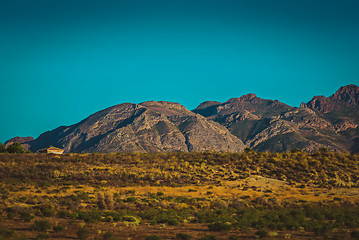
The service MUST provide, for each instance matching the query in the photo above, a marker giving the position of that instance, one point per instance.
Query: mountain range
(249, 121)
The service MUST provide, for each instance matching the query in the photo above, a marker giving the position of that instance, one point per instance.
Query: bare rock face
(268, 125)
(146, 127)
(348, 94)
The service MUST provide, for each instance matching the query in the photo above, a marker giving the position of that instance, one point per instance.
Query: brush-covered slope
(146, 127)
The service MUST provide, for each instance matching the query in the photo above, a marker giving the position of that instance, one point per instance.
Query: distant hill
(248, 121)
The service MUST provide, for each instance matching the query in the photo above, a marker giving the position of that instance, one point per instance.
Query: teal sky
(61, 61)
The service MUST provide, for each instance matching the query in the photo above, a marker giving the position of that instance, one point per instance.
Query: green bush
(209, 237)
(220, 226)
(107, 236)
(63, 214)
(87, 216)
(261, 234)
(83, 233)
(183, 236)
(41, 226)
(6, 234)
(233, 238)
(42, 236)
(47, 210)
(321, 228)
(26, 216)
(153, 237)
(57, 228)
(355, 234)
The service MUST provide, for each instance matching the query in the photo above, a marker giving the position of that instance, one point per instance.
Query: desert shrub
(355, 234)
(261, 233)
(26, 216)
(209, 237)
(83, 233)
(58, 228)
(6, 234)
(183, 236)
(321, 228)
(47, 210)
(107, 236)
(131, 199)
(63, 214)
(42, 236)
(101, 201)
(161, 216)
(183, 199)
(233, 238)
(222, 215)
(87, 216)
(132, 219)
(114, 215)
(41, 226)
(169, 221)
(10, 212)
(220, 226)
(160, 194)
(108, 201)
(153, 237)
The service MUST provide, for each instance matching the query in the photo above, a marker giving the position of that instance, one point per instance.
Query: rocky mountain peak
(348, 94)
(345, 96)
(166, 108)
(245, 98)
(248, 97)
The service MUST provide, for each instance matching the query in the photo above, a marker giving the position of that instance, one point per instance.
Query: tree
(15, 147)
(2, 148)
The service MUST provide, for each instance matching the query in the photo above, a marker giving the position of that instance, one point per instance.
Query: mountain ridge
(248, 121)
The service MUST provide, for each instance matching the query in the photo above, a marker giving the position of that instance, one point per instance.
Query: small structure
(53, 150)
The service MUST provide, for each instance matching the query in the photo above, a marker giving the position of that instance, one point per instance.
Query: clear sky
(62, 60)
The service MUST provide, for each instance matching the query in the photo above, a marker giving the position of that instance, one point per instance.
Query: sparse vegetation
(251, 193)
